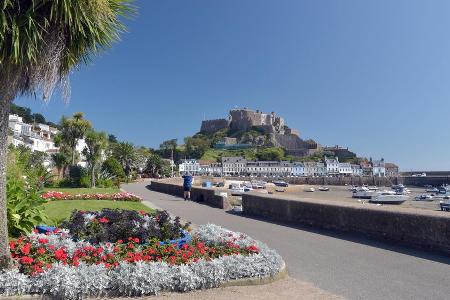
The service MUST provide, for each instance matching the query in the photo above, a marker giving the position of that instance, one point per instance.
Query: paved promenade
(346, 265)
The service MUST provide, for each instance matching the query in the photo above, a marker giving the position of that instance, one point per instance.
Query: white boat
(398, 186)
(432, 190)
(373, 188)
(424, 197)
(310, 189)
(324, 189)
(388, 198)
(363, 192)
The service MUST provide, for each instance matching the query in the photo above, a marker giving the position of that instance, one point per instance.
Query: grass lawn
(59, 211)
(84, 190)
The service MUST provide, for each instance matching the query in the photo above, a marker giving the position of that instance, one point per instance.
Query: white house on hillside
(332, 165)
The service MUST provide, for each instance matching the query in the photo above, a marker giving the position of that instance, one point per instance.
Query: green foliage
(76, 173)
(195, 147)
(157, 167)
(85, 181)
(28, 116)
(96, 144)
(24, 207)
(270, 154)
(126, 155)
(113, 167)
(49, 38)
(71, 131)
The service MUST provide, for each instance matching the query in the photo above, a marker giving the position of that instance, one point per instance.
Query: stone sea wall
(427, 230)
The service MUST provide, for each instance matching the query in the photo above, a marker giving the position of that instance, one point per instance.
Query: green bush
(113, 167)
(105, 183)
(24, 207)
(76, 173)
(85, 181)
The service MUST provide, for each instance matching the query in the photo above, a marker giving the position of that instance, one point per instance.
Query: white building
(356, 170)
(345, 169)
(38, 137)
(189, 166)
(310, 168)
(298, 169)
(332, 166)
(378, 168)
(269, 168)
(321, 169)
(234, 166)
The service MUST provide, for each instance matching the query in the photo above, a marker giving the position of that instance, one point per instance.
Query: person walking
(188, 180)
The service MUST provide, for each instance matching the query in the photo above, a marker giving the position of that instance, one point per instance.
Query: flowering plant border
(141, 278)
(120, 196)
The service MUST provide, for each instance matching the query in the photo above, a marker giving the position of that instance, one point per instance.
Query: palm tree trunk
(93, 176)
(74, 148)
(5, 256)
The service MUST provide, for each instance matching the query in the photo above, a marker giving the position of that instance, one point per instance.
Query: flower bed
(122, 196)
(57, 266)
(111, 225)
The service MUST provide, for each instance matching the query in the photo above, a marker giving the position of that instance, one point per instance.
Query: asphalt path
(343, 264)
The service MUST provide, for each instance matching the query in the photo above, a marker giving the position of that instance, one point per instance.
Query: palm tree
(72, 130)
(96, 143)
(41, 41)
(60, 161)
(126, 155)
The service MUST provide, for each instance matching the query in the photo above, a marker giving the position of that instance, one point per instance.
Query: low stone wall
(431, 180)
(198, 194)
(421, 229)
(378, 181)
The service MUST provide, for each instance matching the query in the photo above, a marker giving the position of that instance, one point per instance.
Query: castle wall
(211, 126)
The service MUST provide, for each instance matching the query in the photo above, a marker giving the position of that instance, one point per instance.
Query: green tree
(168, 148)
(96, 143)
(268, 154)
(41, 41)
(72, 130)
(60, 160)
(112, 167)
(196, 147)
(157, 167)
(126, 155)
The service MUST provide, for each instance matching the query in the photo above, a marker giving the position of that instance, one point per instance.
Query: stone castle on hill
(272, 126)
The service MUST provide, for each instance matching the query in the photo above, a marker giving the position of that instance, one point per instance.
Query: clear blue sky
(370, 75)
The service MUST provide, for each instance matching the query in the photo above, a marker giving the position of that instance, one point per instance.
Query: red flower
(12, 245)
(136, 240)
(43, 241)
(41, 250)
(142, 212)
(25, 260)
(26, 249)
(60, 254)
(253, 248)
(119, 241)
(103, 220)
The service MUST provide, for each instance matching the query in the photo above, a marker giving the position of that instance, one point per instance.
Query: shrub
(111, 225)
(85, 181)
(113, 167)
(105, 183)
(75, 174)
(24, 207)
